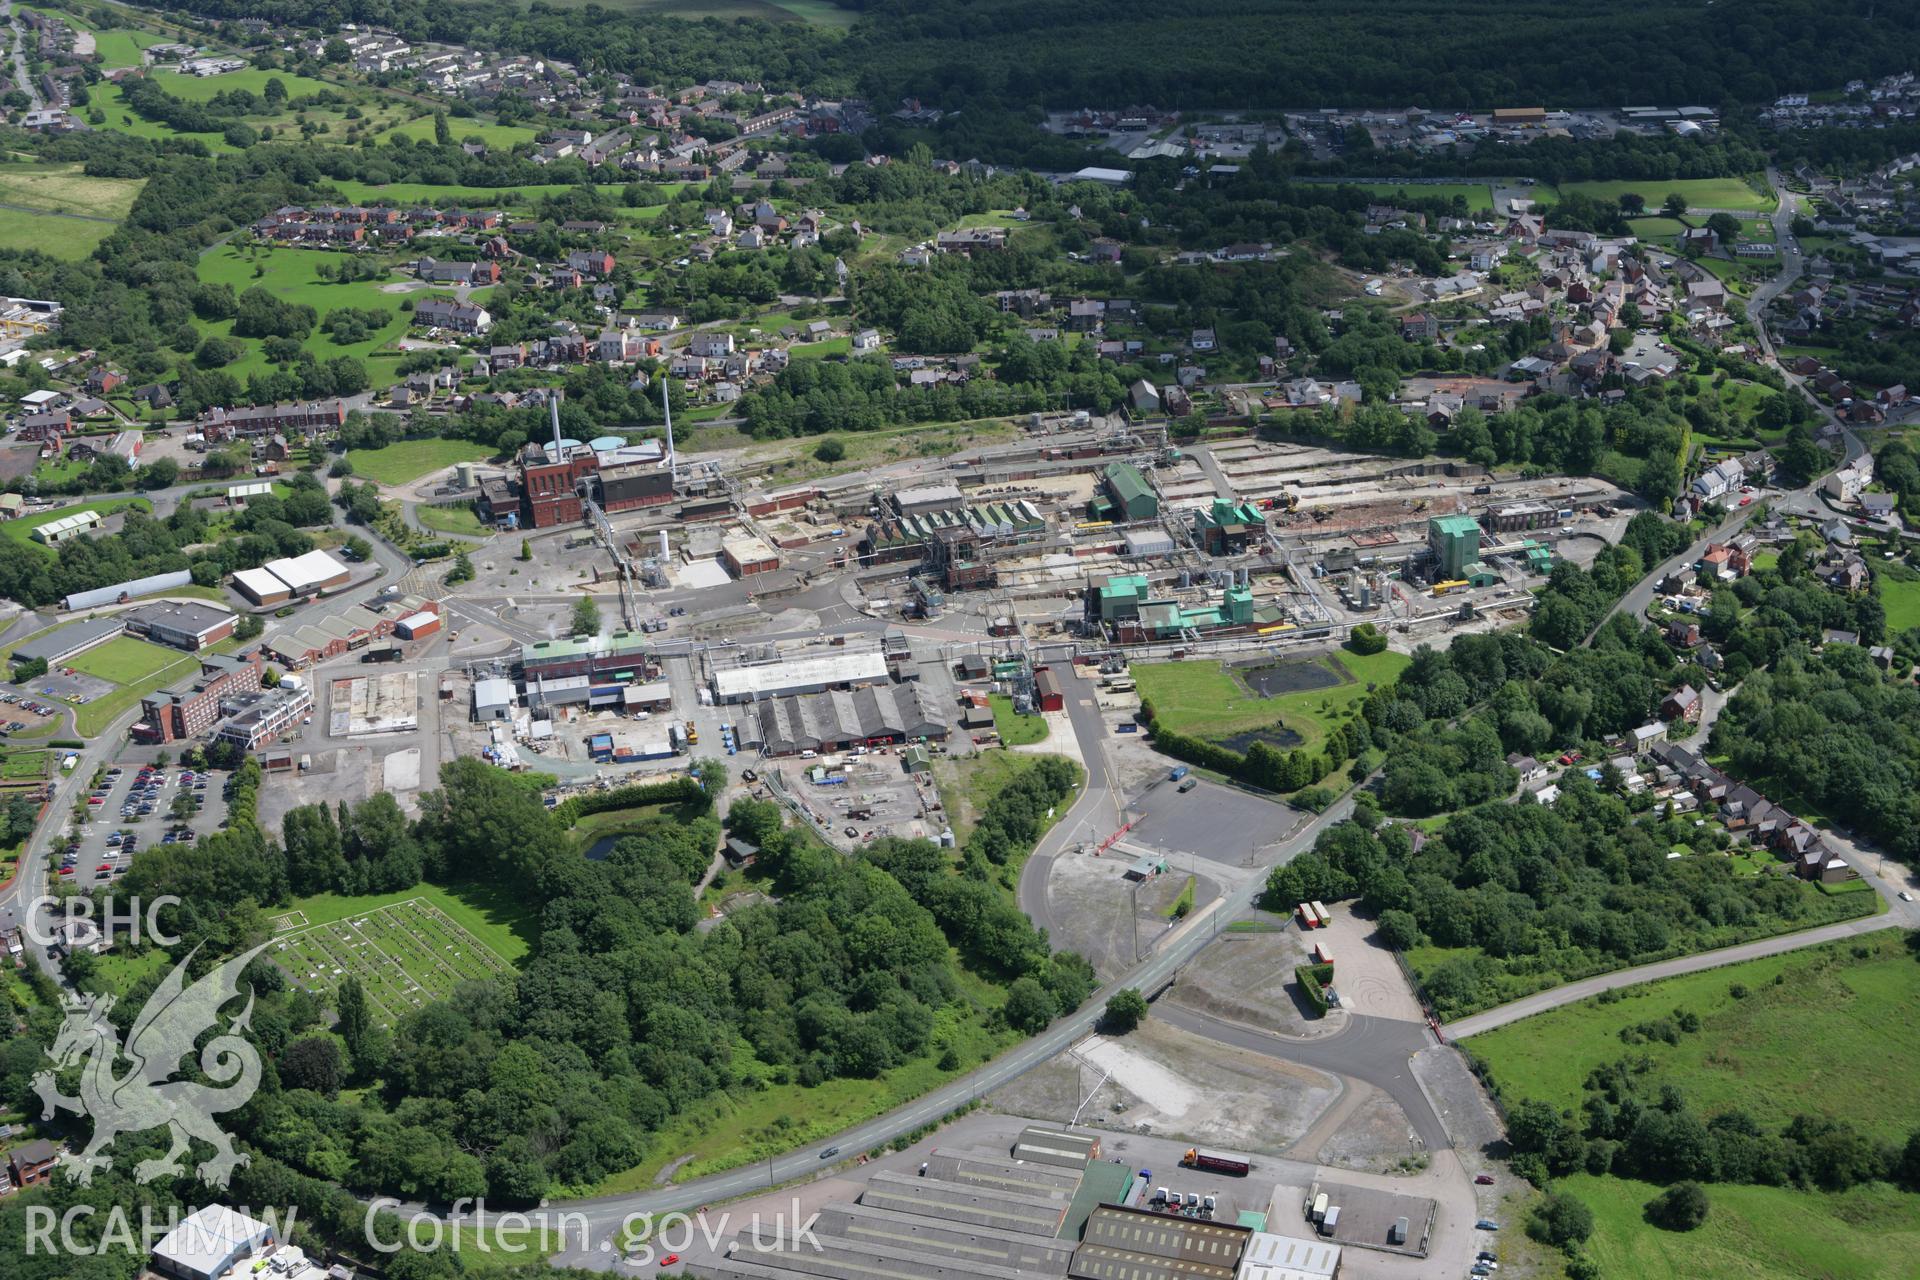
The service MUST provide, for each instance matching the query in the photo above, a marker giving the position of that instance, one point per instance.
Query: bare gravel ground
(1166, 1082)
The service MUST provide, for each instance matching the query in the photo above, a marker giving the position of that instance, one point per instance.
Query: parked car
(1486, 1224)
(1484, 1179)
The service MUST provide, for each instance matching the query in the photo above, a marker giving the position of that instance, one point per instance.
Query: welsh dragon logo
(146, 1096)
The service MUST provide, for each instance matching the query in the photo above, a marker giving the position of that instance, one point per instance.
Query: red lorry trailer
(1218, 1162)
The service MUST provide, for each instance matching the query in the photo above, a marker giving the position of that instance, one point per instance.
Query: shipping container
(1319, 1207)
(1330, 1223)
(1308, 919)
(1322, 954)
(1326, 917)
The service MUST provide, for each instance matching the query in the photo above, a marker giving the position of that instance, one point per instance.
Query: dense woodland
(1830, 734)
(625, 1015)
(1005, 56)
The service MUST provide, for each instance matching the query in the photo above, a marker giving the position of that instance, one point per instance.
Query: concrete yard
(384, 703)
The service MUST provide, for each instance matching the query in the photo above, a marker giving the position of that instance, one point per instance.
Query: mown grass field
(1015, 730)
(1701, 193)
(125, 660)
(1818, 1030)
(1901, 600)
(408, 460)
(121, 118)
(452, 520)
(1205, 700)
(499, 137)
(253, 80)
(21, 530)
(448, 197)
(1662, 229)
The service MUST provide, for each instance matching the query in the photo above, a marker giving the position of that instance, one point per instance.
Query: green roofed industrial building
(1119, 598)
(1227, 527)
(1455, 543)
(1125, 495)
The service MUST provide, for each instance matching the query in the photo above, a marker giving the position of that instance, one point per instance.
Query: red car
(1571, 757)
(1484, 1179)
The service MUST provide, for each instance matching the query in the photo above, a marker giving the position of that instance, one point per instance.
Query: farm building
(66, 528)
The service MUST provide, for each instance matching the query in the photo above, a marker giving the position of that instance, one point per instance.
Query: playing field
(1701, 193)
(408, 460)
(68, 238)
(406, 954)
(125, 660)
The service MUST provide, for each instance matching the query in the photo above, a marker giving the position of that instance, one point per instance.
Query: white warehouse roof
(798, 675)
(259, 582)
(209, 1240)
(306, 572)
(494, 693)
(1272, 1257)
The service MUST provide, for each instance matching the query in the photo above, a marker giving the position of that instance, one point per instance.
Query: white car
(1905, 896)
